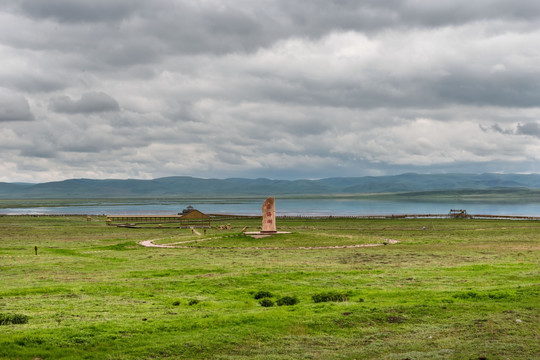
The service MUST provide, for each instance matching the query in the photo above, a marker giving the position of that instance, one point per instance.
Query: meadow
(449, 289)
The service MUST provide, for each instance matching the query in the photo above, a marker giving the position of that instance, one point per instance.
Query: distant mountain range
(190, 186)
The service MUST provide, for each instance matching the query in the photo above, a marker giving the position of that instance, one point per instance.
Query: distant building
(187, 210)
(190, 213)
(193, 217)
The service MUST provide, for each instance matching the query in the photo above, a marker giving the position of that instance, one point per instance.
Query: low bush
(266, 302)
(7, 319)
(262, 294)
(287, 300)
(330, 296)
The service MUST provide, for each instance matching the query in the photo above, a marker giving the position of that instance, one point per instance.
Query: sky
(256, 88)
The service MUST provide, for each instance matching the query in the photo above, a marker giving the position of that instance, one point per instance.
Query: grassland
(460, 289)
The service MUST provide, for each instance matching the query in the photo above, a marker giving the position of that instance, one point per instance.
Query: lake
(291, 207)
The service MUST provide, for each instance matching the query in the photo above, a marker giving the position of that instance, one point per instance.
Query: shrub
(330, 296)
(6, 319)
(262, 294)
(287, 300)
(266, 302)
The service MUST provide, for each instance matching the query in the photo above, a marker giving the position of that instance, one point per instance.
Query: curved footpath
(150, 243)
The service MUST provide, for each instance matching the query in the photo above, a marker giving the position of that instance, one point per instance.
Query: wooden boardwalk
(413, 216)
(221, 217)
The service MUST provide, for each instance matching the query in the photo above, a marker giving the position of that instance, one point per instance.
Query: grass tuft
(331, 296)
(8, 319)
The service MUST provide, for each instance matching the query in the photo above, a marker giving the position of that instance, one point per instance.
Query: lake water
(292, 207)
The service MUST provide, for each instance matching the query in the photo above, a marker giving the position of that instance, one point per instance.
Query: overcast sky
(259, 88)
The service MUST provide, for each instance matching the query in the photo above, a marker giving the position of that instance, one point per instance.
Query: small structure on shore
(458, 214)
(191, 213)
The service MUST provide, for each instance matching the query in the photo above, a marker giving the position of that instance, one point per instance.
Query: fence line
(218, 217)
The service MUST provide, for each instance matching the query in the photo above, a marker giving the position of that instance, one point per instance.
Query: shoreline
(218, 217)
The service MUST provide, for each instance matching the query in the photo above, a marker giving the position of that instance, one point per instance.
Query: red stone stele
(269, 216)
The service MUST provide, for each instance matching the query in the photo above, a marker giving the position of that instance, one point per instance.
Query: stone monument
(269, 216)
(268, 221)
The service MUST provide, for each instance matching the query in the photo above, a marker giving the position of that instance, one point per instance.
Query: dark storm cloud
(445, 13)
(349, 14)
(14, 107)
(79, 11)
(498, 128)
(39, 151)
(513, 90)
(168, 26)
(531, 129)
(34, 83)
(375, 14)
(94, 102)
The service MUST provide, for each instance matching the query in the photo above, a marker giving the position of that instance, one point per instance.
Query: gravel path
(150, 243)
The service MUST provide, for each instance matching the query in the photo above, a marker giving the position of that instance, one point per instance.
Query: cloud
(531, 129)
(94, 102)
(81, 11)
(14, 107)
(279, 88)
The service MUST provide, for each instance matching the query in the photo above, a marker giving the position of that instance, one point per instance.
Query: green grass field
(460, 289)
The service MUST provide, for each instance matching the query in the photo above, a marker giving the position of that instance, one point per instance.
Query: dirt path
(150, 243)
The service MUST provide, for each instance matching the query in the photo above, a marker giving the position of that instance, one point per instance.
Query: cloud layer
(281, 89)
(14, 107)
(94, 102)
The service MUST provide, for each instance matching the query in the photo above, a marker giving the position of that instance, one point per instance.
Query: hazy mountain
(12, 188)
(190, 186)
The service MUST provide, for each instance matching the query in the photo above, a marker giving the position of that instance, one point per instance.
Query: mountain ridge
(192, 186)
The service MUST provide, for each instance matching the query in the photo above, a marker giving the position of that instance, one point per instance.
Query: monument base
(263, 234)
